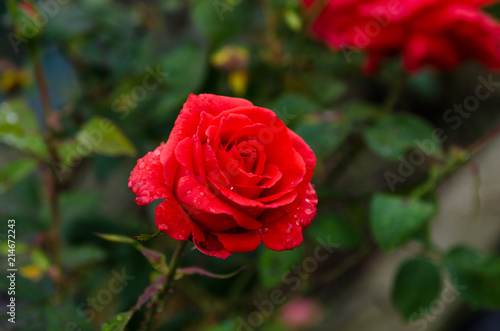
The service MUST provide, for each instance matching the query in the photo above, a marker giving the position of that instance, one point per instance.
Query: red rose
(437, 33)
(230, 175)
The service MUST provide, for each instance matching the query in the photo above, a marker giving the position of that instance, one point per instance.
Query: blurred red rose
(230, 175)
(436, 33)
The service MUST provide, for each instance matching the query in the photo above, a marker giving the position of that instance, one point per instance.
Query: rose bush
(436, 33)
(231, 174)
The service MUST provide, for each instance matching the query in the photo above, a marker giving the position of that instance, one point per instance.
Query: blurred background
(134, 63)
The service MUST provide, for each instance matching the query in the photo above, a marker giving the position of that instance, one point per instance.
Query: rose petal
(282, 229)
(184, 155)
(212, 246)
(172, 219)
(187, 123)
(146, 179)
(191, 193)
(239, 242)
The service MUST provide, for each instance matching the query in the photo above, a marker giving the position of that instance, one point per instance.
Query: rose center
(249, 155)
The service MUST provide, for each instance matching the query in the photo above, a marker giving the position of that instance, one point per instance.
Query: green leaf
(118, 322)
(341, 232)
(324, 138)
(220, 19)
(395, 219)
(326, 89)
(289, 106)
(146, 237)
(14, 172)
(475, 275)
(101, 136)
(186, 67)
(227, 325)
(417, 285)
(156, 259)
(394, 135)
(19, 128)
(83, 255)
(358, 111)
(272, 265)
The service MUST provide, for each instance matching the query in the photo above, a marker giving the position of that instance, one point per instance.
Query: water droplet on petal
(308, 211)
(307, 200)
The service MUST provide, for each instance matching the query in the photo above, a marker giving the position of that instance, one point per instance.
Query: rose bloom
(230, 175)
(436, 33)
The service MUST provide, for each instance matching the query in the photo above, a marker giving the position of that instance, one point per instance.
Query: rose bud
(230, 175)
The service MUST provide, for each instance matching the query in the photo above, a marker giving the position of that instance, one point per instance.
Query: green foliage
(393, 135)
(156, 259)
(475, 275)
(220, 19)
(19, 128)
(324, 137)
(185, 68)
(417, 285)
(395, 219)
(14, 172)
(272, 265)
(117, 323)
(341, 232)
(105, 138)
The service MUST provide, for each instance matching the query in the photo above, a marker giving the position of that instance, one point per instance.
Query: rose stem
(394, 92)
(456, 163)
(50, 176)
(170, 277)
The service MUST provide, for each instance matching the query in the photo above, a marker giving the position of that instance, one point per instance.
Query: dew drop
(288, 239)
(142, 165)
(156, 152)
(308, 200)
(289, 229)
(308, 211)
(264, 229)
